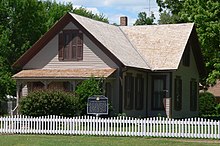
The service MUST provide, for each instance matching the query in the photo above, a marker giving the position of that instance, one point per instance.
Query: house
(147, 69)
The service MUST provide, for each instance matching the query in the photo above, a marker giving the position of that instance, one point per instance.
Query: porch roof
(63, 73)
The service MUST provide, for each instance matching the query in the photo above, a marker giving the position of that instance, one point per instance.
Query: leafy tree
(168, 18)
(83, 12)
(144, 20)
(205, 14)
(173, 5)
(7, 84)
(87, 89)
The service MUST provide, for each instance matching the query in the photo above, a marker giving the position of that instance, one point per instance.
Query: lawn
(60, 140)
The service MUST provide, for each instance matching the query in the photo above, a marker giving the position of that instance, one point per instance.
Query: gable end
(31, 52)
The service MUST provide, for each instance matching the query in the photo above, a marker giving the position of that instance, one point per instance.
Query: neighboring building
(215, 90)
(142, 65)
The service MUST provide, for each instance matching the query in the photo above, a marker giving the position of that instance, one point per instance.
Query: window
(193, 95)
(158, 92)
(129, 92)
(186, 55)
(139, 92)
(178, 94)
(71, 45)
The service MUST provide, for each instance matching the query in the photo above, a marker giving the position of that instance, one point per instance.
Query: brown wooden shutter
(193, 95)
(131, 93)
(139, 89)
(80, 47)
(74, 45)
(61, 47)
(178, 94)
(125, 92)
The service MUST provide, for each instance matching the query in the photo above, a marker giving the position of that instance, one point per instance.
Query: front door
(158, 92)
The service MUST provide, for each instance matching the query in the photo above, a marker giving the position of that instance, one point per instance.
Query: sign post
(97, 105)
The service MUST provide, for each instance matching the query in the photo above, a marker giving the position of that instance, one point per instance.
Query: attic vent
(123, 21)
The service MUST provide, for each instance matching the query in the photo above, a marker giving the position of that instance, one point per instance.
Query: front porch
(66, 80)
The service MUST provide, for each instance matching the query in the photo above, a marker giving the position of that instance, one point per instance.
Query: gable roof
(109, 38)
(114, 40)
(151, 47)
(161, 45)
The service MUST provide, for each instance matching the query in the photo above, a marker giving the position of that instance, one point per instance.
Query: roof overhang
(63, 73)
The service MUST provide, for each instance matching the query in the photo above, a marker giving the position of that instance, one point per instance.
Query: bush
(207, 104)
(87, 89)
(218, 108)
(49, 102)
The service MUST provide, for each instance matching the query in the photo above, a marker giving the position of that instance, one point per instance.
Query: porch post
(74, 85)
(18, 90)
(46, 83)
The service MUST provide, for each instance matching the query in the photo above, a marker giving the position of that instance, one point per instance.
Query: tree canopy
(23, 22)
(144, 20)
(205, 14)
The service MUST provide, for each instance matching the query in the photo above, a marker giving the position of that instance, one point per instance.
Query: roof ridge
(135, 48)
(90, 19)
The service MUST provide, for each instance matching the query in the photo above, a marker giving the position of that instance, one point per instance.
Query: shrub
(207, 104)
(87, 89)
(49, 102)
(218, 108)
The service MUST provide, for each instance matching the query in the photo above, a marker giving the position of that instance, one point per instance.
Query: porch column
(46, 83)
(18, 91)
(74, 85)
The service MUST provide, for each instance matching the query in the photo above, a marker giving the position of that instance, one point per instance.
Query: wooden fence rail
(112, 126)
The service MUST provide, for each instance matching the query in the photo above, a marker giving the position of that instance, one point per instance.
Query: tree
(168, 18)
(205, 14)
(144, 20)
(173, 5)
(87, 89)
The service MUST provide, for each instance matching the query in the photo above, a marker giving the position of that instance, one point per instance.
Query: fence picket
(114, 126)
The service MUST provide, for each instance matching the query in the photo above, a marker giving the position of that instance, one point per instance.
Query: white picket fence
(112, 126)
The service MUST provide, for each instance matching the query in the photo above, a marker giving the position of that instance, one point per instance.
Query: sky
(113, 9)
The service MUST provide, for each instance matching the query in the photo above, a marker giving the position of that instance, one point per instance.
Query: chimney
(123, 21)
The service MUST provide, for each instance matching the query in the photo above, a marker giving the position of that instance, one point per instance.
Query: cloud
(92, 9)
(113, 9)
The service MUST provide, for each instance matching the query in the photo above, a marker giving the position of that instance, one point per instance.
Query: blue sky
(113, 9)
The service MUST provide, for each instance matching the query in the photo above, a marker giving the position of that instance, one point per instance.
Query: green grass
(60, 140)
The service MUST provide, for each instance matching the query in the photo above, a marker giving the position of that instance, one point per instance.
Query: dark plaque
(97, 105)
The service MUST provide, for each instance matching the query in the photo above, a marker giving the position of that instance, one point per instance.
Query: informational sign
(97, 105)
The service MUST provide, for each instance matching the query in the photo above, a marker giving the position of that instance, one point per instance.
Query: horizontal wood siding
(47, 58)
(186, 74)
(24, 91)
